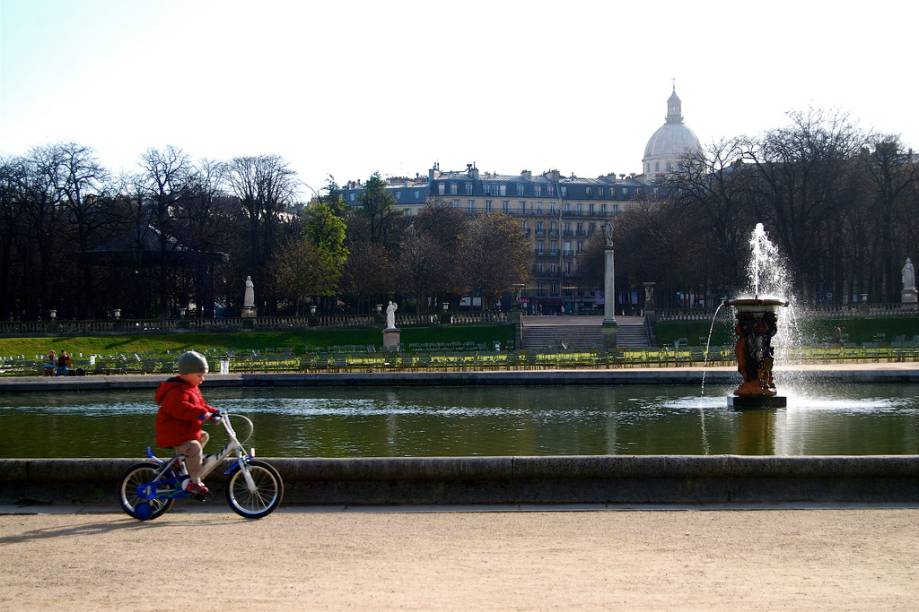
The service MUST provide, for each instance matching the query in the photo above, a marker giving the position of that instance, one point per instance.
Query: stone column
(609, 297)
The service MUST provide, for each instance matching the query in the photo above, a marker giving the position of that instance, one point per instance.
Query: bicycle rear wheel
(269, 490)
(136, 498)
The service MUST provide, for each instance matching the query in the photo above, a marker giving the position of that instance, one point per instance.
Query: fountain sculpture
(757, 323)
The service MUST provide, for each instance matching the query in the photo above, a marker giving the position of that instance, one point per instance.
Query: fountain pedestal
(757, 323)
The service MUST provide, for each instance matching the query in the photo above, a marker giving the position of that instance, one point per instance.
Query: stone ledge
(490, 480)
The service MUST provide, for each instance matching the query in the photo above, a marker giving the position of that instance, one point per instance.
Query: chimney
(526, 174)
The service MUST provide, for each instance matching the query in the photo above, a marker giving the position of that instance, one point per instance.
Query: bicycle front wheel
(136, 498)
(266, 496)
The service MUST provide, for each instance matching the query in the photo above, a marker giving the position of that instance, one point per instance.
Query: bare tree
(265, 186)
(711, 184)
(83, 178)
(496, 255)
(11, 209)
(796, 187)
(164, 174)
(40, 183)
(891, 172)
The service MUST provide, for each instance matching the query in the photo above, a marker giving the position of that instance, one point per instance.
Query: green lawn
(813, 331)
(295, 341)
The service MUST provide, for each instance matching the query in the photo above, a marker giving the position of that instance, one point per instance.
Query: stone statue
(391, 315)
(608, 230)
(909, 295)
(249, 297)
(909, 275)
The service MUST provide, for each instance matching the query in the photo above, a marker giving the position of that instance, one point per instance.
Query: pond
(486, 420)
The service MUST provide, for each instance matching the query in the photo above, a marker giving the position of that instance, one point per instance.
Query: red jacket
(182, 411)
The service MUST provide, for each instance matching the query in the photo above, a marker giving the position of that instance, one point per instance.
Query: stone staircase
(631, 333)
(579, 333)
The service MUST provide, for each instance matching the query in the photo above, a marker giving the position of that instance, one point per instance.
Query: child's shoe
(198, 490)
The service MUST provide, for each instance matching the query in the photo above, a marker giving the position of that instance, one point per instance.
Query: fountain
(757, 323)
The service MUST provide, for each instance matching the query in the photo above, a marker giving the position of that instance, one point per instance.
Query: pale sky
(348, 88)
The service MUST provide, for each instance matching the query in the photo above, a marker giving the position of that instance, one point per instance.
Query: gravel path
(691, 559)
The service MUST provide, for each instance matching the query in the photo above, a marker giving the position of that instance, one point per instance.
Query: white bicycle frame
(232, 446)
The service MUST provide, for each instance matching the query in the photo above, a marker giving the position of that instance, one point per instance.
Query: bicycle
(254, 488)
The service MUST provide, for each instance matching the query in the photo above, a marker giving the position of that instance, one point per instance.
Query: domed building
(669, 143)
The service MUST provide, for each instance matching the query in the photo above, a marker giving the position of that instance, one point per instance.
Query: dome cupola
(671, 141)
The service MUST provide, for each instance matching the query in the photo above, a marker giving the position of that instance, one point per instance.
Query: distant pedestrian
(50, 363)
(63, 363)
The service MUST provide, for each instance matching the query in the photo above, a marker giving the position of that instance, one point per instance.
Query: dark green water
(465, 421)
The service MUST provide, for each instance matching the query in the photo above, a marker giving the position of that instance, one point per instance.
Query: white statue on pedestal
(908, 276)
(391, 315)
(249, 296)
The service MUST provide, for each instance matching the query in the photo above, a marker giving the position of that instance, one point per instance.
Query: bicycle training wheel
(130, 496)
(269, 489)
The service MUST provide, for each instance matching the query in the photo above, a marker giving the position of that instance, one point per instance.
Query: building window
(552, 226)
(580, 229)
(506, 206)
(540, 268)
(539, 228)
(526, 226)
(416, 194)
(603, 209)
(591, 228)
(487, 205)
(540, 246)
(553, 246)
(564, 191)
(471, 205)
(580, 246)
(520, 189)
(624, 192)
(398, 195)
(441, 188)
(615, 208)
(554, 289)
(537, 190)
(567, 208)
(454, 188)
(502, 189)
(454, 204)
(468, 188)
(580, 209)
(588, 190)
(550, 190)
(591, 209)
(657, 166)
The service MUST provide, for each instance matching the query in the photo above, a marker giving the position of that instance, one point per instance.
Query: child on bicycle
(182, 412)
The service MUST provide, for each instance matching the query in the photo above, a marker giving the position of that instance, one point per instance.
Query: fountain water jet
(757, 323)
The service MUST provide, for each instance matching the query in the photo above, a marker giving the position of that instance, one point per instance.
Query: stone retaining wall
(858, 373)
(513, 480)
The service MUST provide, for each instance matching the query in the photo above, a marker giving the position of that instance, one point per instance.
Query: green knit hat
(192, 362)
